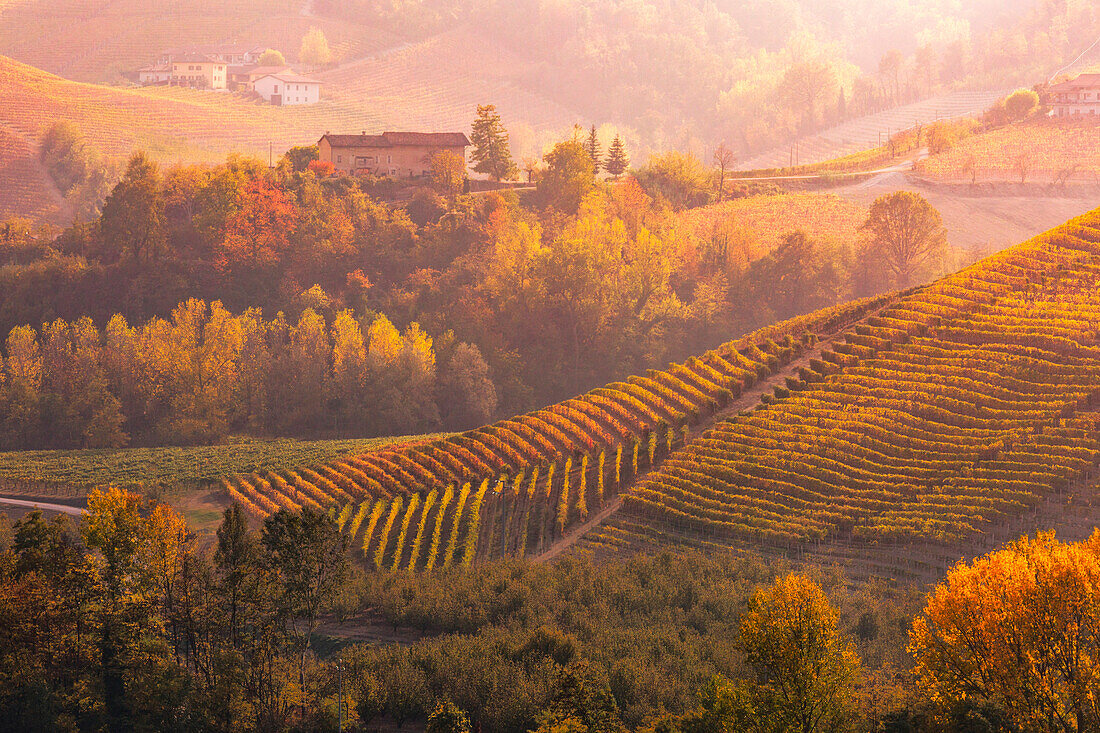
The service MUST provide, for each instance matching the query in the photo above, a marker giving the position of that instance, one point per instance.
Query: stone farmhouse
(394, 154)
(1076, 97)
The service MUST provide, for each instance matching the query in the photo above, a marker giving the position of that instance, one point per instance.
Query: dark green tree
(491, 154)
(63, 153)
(595, 152)
(132, 225)
(301, 156)
(617, 162)
(235, 561)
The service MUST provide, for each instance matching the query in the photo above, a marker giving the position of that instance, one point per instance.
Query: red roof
(1084, 81)
(400, 139)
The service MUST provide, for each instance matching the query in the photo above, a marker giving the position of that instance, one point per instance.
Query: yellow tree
(805, 671)
(1020, 629)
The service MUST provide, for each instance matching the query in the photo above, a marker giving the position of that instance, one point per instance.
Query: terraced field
(957, 410)
(517, 486)
(899, 428)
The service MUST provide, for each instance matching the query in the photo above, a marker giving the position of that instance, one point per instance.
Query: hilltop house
(1076, 97)
(287, 88)
(204, 67)
(236, 54)
(395, 154)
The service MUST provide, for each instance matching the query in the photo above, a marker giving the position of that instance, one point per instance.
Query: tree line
(204, 372)
(125, 621)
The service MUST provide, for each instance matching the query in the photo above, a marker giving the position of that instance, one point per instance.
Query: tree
(315, 50)
(306, 552)
(889, 67)
(300, 156)
(806, 84)
(467, 397)
(1020, 104)
(1024, 162)
(681, 180)
(448, 172)
(132, 224)
(617, 162)
(271, 57)
(568, 177)
(490, 140)
(448, 718)
(907, 235)
(63, 153)
(724, 158)
(592, 147)
(1018, 628)
(805, 672)
(259, 233)
(235, 562)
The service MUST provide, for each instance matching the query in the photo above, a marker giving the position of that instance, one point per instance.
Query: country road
(63, 508)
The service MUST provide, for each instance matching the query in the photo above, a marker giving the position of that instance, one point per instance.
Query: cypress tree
(491, 154)
(592, 147)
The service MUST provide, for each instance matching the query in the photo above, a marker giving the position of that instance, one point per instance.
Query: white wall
(292, 93)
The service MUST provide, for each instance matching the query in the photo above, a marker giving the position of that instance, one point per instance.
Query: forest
(124, 621)
(206, 300)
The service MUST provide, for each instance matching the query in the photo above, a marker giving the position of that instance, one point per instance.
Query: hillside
(1040, 151)
(871, 131)
(924, 419)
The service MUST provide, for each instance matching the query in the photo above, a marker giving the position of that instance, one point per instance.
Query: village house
(286, 88)
(1076, 97)
(155, 74)
(199, 72)
(241, 78)
(394, 154)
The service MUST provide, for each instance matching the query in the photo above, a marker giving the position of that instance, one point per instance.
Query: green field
(75, 471)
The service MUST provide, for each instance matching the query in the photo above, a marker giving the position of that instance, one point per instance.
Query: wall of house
(399, 162)
(203, 75)
(290, 94)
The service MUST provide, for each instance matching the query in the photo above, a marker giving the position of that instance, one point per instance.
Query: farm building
(1076, 97)
(396, 154)
(199, 72)
(242, 77)
(287, 88)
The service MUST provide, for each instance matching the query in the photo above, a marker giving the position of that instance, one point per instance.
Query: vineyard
(767, 219)
(46, 473)
(1050, 150)
(952, 411)
(515, 487)
(25, 189)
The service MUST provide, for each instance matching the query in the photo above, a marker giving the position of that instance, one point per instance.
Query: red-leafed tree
(259, 234)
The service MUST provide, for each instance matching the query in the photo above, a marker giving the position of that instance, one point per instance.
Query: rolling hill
(926, 421)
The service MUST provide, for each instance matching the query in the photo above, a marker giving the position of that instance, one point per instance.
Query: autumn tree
(907, 235)
(315, 50)
(617, 162)
(595, 153)
(805, 671)
(680, 179)
(132, 225)
(258, 234)
(1018, 629)
(271, 57)
(467, 397)
(889, 68)
(806, 85)
(448, 172)
(568, 176)
(491, 154)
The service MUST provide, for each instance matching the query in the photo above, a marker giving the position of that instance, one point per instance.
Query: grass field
(1048, 146)
(74, 472)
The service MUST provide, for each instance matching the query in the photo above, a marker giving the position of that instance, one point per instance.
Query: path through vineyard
(748, 400)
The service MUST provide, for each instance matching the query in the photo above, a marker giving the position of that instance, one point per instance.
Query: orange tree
(1017, 629)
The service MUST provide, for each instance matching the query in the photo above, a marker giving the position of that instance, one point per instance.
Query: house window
(339, 159)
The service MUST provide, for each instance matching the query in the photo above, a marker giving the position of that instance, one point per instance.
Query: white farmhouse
(1077, 97)
(287, 88)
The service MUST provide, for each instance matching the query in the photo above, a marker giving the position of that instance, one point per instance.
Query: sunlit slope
(516, 486)
(25, 188)
(1037, 151)
(956, 409)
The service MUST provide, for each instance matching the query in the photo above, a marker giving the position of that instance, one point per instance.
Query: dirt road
(63, 508)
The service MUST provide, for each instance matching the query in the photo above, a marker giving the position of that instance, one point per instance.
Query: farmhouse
(242, 77)
(395, 154)
(226, 53)
(199, 72)
(1076, 97)
(287, 88)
